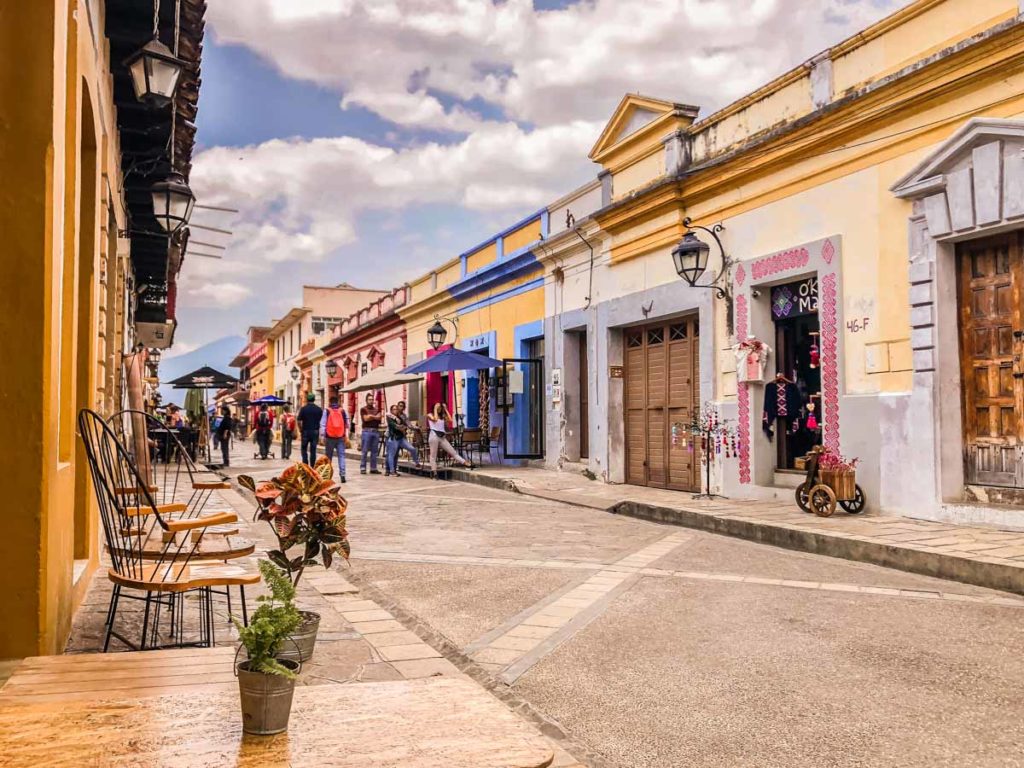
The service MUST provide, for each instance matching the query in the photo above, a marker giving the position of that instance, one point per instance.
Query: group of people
(333, 425)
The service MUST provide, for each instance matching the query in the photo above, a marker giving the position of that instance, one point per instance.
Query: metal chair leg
(245, 610)
(145, 621)
(114, 597)
(227, 591)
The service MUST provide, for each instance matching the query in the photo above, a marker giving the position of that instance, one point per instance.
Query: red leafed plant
(304, 508)
(831, 461)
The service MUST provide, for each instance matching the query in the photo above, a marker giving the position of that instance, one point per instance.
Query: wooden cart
(821, 490)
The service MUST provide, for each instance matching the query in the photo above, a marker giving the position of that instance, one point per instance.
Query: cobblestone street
(655, 646)
(634, 643)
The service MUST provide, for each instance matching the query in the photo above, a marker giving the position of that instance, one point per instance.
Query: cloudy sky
(367, 140)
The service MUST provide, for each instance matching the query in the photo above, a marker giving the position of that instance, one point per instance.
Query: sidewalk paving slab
(985, 557)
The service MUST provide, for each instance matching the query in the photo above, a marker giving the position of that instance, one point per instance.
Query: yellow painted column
(32, 94)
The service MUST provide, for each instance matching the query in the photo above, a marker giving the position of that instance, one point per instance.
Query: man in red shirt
(287, 432)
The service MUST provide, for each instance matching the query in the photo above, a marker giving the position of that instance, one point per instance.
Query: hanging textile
(751, 358)
(781, 401)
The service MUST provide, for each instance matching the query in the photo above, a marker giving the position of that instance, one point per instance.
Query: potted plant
(305, 510)
(839, 474)
(266, 681)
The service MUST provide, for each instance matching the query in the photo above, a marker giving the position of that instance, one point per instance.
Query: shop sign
(515, 381)
(616, 372)
(795, 299)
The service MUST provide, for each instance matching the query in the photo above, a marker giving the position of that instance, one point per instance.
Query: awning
(379, 378)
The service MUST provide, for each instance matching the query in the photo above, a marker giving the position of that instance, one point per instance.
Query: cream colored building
(885, 179)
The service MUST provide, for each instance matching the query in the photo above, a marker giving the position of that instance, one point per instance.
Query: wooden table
(439, 722)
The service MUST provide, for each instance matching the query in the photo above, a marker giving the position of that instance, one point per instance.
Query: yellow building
(492, 300)
(859, 195)
(76, 195)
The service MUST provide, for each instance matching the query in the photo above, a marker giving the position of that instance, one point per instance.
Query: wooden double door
(991, 344)
(662, 396)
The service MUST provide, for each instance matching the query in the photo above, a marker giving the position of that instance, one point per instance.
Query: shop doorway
(584, 397)
(793, 408)
(662, 397)
(991, 331)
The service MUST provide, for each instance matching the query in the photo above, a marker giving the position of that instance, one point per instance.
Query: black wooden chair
(149, 553)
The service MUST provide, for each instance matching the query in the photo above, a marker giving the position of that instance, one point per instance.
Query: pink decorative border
(779, 262)
(828, 313)
(743, 397)
(828, 310)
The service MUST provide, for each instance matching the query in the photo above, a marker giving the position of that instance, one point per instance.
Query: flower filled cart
(831, 480)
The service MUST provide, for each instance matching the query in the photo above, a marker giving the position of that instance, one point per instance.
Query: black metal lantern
(172, 202)
(332, 368)
(691, 257)
(295, 372)
(436, 335)
(154, 356)
(155, 73)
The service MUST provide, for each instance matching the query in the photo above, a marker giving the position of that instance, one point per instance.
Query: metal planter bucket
(266, 699)
(303, 639)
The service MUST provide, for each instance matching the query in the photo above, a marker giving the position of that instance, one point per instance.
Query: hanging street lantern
(295, 372)
(154, 355)
(436, 334)
(690, 258)
(155, 73)
(332, 368)
(172, 202)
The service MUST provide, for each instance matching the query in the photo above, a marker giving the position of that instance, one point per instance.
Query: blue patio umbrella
(268, 400)
(453, 359)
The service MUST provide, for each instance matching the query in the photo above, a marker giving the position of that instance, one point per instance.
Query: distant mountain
(217, 354)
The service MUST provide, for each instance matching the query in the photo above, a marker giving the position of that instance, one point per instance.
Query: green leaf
(278, 559)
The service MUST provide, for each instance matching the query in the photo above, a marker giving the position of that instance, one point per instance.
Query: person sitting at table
(437, 423)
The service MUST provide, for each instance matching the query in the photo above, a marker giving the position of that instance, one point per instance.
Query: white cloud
(300, 200)
(392, 56)
(198, 292)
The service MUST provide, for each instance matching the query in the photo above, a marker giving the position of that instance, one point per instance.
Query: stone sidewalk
(986, 557)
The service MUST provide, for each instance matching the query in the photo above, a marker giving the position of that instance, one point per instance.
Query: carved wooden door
(990, 355)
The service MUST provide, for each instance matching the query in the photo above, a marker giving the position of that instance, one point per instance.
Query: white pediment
(973, 180)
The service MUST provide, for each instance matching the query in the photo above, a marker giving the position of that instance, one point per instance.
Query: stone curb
(980, 573)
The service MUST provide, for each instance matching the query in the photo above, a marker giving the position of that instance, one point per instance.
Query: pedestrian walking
(369, 416)
(334, 429)
(437, 423)
(309, 428)
(264, 430)
(398, 426)
(287, 432)
(215, 428)
(224, 431)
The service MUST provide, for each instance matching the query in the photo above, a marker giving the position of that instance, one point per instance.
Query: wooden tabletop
(429, 723)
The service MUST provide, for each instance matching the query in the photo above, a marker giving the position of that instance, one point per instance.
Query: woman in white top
(437, 440)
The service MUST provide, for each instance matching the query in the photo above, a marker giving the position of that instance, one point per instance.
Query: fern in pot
(306, 511)
(266, 681)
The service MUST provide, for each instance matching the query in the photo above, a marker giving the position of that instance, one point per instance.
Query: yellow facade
(62, 322)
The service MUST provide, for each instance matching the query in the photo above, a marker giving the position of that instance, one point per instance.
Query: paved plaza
(634, 643)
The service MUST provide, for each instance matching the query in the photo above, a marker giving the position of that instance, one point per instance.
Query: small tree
(304, 508)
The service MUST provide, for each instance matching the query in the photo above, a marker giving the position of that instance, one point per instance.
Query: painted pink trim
(828, 312)
(828, 251)
(741, 275)
(779, 262)
(743, 398)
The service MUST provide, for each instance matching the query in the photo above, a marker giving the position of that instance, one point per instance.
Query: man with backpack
(287, 432)
(264, 430)
(310, 416)
(334, 428)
